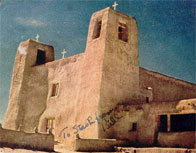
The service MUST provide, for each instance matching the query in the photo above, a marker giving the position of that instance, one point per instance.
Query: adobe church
(101, 93)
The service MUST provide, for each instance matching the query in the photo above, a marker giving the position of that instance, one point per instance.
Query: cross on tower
(63, 53)
(37, 37)
(114, 5)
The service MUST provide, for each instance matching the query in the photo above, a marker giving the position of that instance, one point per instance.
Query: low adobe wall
(20, 139)
(177, 139)
(98, 144)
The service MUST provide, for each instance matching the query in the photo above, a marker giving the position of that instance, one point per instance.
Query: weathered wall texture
(20, 139)
(29, 87)
(165, 88)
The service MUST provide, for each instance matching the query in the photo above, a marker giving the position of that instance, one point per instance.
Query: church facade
(101, 93)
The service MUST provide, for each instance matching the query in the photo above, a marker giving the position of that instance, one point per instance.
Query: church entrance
(50, 125)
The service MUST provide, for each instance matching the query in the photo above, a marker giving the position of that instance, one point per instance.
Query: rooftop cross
(37, 37)
(114, 5)
(63, 53)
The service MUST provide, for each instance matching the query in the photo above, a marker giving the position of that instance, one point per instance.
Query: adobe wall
(97, 145)
(118, 124)
(33, 97)
(65, 106)
(12, 113)
(182, 139)
(165, 88)
(29, 87)
(20, 139)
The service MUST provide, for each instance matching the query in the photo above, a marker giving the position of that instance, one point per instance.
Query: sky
(166, 31)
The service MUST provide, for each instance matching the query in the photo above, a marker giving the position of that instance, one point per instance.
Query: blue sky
(166, 32)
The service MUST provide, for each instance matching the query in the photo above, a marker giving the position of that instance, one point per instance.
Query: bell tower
(112, 60)
(29, 87)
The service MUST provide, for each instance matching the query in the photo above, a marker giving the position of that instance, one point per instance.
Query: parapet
(36, 53)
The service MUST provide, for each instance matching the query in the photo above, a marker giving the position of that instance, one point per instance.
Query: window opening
(123, 32)
(177, 123)
(147, 99)
(97, 30)
(55, 89)
(133, 127)
(183, 122)
(41, 57)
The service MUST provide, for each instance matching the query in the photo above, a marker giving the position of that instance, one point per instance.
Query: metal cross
(37, 37)
(63, 53)
(114, 5)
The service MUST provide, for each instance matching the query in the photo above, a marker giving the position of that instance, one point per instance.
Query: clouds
(30, 22)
